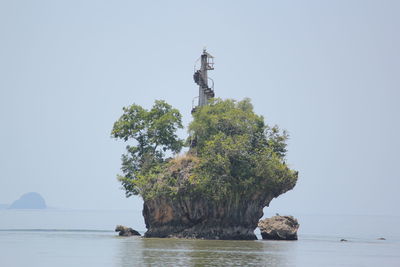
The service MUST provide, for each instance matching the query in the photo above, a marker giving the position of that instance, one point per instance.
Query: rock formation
(279, 228)
(29, 201)
(190, 215)
(197, 217)
(126, 231)
(217, 190)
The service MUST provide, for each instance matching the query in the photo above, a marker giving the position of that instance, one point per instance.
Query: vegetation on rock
(155, 134)
(236, 155)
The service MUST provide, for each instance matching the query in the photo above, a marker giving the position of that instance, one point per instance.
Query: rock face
(190, 216)
(29, 201)
(193, 214)
(279, 228)
(126, 231)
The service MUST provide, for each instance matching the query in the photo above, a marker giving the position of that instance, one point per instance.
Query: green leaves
(225, 116)
(152, 129)
(162, 123)
(237, 150)
(236, 153)
(154, 132)
(131, 123)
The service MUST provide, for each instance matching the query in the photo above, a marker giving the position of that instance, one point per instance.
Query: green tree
(154, 133)
(238, 152)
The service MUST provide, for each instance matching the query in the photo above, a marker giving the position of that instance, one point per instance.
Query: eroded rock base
(203, 232)
(196, 217)
(279, 228)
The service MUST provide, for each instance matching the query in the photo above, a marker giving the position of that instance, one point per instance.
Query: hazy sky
(327, 71)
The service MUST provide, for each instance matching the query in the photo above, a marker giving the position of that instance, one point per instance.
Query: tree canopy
(235, 152)
(154, 131)
(238, 152)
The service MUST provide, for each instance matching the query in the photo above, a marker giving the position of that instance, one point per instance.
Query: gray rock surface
(30, 200)
(199, 217)
(192, 215)
(279, 228)
(126, 231)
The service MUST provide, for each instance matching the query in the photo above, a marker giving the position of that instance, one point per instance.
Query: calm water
(84, 238)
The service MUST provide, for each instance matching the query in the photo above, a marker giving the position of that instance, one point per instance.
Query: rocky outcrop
(194, 216)
(279, 228)
(31, 200)
(126, 231)
(218, 188)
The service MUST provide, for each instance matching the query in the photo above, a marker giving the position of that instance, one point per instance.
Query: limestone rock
(30, 200)
(126, 231)
(199, 217)
(191, 214)
(279, 228)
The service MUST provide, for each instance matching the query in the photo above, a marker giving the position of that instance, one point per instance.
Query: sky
(326, 71)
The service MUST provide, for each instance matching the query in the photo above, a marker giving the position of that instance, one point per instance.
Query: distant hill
(30, 200)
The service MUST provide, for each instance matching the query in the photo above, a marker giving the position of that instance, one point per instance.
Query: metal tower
(200, 77)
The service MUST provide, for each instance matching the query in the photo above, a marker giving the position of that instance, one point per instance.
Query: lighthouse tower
(201, 78)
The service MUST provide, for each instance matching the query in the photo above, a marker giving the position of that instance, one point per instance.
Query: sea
(55, 237)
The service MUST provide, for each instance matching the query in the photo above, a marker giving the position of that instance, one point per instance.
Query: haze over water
(327, 71)
(85, 238)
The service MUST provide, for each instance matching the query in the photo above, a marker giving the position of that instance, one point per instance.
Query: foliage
(154, 131)
(236, 153)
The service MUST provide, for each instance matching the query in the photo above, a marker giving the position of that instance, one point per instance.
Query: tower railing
(201, 78)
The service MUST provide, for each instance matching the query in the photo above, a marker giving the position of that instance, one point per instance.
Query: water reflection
(182, 252)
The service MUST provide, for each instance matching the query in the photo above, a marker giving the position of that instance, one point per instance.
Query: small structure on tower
(201, 78)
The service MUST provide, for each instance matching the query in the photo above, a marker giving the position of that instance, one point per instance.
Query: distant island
(30, 200)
